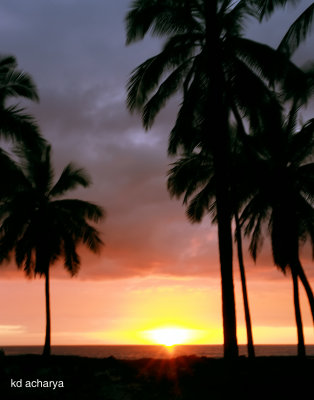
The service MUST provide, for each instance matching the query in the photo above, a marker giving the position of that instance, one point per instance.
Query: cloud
(11, 329)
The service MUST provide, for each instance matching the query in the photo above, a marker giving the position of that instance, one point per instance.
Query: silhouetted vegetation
(40, 227)
(282, 192)
(223, 78)
(182, 378)
(193, 175)
(15, 124)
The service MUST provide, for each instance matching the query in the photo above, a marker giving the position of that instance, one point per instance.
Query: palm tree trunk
(228, 298)
(218, 140)
(47, 348)
(250, 345)
(306, 286)
(298, 318)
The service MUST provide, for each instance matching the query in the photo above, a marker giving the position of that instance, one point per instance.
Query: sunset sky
(156, 270)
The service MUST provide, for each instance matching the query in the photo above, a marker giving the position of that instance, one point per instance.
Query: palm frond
(302, 144)
(307, 223)
(234, 16)
(37, 166)
(200, 204)
(78, 209)
(7, 63)
(17, 84)
(91, 238)
(168, 88)
(253, 98)
(297, 32)
(12, 229)
(189, 174)
(272, 66)
(266, 7)
(12, 178)
(70, 178)
(71, 257)
(188, 131)
(252, 218)
(20, 127)
(305, 179)
(160, 18)
(145, 78)
(24, 251)
(291, 121)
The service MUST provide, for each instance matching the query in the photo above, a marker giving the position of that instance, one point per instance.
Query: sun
(169, 336)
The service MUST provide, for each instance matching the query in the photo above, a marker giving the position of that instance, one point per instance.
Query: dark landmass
(181, 378)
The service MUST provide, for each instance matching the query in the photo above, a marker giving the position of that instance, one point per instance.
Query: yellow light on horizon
(169, 336)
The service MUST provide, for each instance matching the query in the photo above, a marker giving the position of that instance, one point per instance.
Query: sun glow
(169, 336)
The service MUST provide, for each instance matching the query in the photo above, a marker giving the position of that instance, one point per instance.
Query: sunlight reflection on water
(155, 351)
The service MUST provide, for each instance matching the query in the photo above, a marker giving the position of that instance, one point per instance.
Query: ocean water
(155, 351)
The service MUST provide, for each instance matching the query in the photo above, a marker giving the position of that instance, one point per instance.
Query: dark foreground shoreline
(181, 378)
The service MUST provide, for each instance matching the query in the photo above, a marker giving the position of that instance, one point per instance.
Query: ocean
(128, 352)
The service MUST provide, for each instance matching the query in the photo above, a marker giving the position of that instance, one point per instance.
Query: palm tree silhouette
(15, 124)
(282, 195)
(39, 227)
(217, 70)
(193, 175)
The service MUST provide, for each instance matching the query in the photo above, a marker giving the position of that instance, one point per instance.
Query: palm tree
(193, 175)
(282, 195)
(206, 57)
(15, 124)
(39, 227)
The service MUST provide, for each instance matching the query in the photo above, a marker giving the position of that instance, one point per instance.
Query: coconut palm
(282, 195)
(206, 57)
(39, 227)
(15, 124)
(193, 175)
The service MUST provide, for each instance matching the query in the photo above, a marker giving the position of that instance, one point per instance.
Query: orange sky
(120, 311)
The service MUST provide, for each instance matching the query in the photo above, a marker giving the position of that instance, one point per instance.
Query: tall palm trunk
(47, 346)
(228, 298)
(286, 241)
(298, 318)
(250, 345)
(218, 141)
(306, 285)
